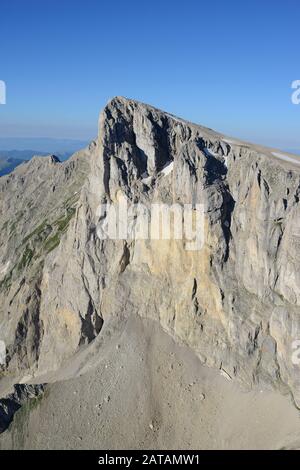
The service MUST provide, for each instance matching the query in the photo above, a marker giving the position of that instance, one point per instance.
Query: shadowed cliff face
(235, 301)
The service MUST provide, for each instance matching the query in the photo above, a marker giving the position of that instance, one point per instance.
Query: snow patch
(181, 121)
(287, 158)
(167, 169)
(147, 180)
(209, 153)
(228, 141)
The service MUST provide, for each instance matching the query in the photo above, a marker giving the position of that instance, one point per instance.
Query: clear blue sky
(225, 64)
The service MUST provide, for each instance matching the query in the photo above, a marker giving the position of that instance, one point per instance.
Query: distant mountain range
(8, 164)
(14, 151)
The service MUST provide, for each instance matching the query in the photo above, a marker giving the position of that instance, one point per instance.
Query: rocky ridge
(235, 302)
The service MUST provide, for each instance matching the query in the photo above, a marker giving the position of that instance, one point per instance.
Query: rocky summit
(139, 328)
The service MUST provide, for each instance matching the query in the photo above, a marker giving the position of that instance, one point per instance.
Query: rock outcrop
(235, 301)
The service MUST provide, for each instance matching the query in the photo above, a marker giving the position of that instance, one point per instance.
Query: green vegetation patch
(5, 284)
(37, 232)
(26, 258)
(52, 243)
(63, 222)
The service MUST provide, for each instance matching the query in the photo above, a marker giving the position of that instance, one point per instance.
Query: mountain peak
(233, 299)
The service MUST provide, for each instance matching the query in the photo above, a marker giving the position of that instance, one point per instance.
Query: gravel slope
(144, 390)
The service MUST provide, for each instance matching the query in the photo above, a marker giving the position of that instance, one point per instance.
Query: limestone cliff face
(235, 301)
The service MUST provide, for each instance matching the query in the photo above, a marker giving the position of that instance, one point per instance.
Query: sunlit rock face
(234, 300)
